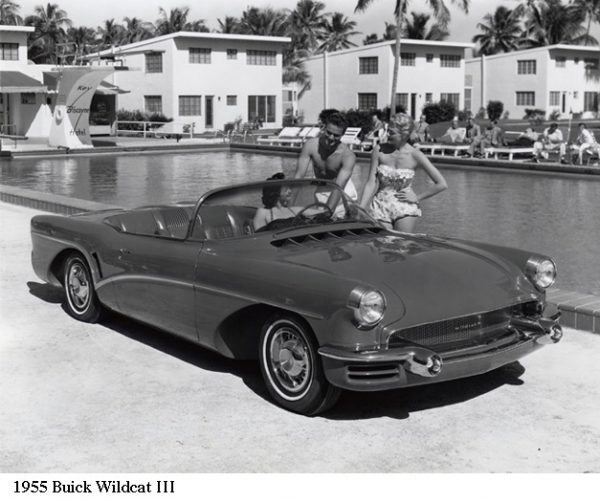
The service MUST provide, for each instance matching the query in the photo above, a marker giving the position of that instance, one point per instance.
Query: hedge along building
(560, 79)
(204, 79)
(51, 103)
(361, 77)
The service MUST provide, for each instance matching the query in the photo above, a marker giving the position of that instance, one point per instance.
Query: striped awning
(14, 81)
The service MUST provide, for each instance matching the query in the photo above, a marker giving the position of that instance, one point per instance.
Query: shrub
(439, 112)
(535, 115)
(139, 116)
(495, 109)
(554, 115)
(480, 114)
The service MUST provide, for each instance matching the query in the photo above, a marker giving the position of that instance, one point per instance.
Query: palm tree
(307, 24)
(338, 30)
(177, 20)
(111, 34)
(551, 22)
(373, 38)
(500, 31)
(417, 28)
(266, 22)
(592, 11)
(137, 30)
(441, 14)
(9, 12)
(82, 40)
(229, 25)
(50, 23)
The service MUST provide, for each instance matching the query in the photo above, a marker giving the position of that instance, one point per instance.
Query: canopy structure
(12, 82)
(106, 88)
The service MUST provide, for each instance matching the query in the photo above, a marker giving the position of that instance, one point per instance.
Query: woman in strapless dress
(388, 194)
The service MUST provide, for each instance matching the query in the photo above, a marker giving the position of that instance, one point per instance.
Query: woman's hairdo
(400, 121)
(270, 194)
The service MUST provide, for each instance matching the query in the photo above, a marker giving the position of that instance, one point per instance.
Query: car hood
(429, 279)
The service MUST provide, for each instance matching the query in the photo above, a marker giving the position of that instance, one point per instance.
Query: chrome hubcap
(78, 284)
(290, 359)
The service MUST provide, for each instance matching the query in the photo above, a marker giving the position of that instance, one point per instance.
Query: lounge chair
(303, 135)
(441, 148)
(510, 151)
(284, 137)
(350, 137)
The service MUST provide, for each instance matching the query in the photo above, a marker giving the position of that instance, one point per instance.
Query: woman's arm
(371, 184)
(260, 218)
(439, 183)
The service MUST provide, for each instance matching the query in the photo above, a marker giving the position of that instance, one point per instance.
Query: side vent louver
(346, 235)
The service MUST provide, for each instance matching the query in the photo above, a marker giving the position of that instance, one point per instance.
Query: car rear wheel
(82, 302)
(292, 369)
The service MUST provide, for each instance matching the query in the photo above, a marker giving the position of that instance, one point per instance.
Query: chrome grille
(460, 332)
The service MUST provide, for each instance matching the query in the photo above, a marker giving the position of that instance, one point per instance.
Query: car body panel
(216, 291)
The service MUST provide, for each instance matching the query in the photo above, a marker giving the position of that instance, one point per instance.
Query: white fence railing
(153, 129)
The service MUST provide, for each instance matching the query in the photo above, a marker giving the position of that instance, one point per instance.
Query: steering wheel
(316, 218)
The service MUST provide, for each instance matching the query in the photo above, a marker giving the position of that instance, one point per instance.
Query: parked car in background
(323, 296)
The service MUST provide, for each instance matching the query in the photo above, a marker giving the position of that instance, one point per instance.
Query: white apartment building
(24, 99)
(556, 78)
(208, 79)
(361, 77)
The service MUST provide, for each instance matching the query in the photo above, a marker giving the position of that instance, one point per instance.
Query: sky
(93, 13)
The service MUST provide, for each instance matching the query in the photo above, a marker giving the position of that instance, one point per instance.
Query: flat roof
(10, 27)
(190, 34)
(405, 41)
(566, 47)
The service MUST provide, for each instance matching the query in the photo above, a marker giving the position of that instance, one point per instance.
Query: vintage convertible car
(326, 299)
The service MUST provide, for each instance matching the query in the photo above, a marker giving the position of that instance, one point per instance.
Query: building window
(261, 108)
(429, 57)
(367, 101)
(429, 97)
(449, 60)
(468, 91)
(199, 55)
(402, 100)
(9, 52)
(525, 98)
(190, 105)
(451, 97)
(561, 62)
(591, 63)
(27, 98)
(153, 104)
(408, 58)
(575, 94)
(590, 101)
(527, 67)
(554, 98)
(231, 100)
(231, 53)
(288, 95)
(368, 65)
(154, 62)
(262, 58)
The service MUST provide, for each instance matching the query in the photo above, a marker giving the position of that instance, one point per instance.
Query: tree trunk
(397, 56)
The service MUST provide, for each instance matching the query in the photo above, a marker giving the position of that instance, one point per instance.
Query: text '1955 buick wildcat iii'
(296, 275)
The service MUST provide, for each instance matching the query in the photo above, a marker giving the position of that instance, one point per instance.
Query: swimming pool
(555, 215)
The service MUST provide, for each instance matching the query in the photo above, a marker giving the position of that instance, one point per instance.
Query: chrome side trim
(211, 289)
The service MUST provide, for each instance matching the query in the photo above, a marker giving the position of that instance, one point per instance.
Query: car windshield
(281, 205)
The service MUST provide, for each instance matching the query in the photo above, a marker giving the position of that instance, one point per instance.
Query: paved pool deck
(579, 310)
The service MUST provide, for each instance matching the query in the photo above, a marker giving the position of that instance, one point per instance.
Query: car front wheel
(82, 302)
(291, 367)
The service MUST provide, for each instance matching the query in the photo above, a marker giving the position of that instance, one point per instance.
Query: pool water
(551, 214)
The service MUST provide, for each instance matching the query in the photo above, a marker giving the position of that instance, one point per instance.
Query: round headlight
(368, 306)
(541, 271)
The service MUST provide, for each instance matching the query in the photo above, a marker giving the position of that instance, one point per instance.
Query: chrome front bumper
(417, 365)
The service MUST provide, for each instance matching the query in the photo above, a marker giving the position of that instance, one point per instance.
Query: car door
(155, 281)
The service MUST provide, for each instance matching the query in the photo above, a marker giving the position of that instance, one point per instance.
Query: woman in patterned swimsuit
(388, 194)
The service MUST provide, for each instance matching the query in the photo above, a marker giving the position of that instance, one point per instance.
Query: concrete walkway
(122, 397)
